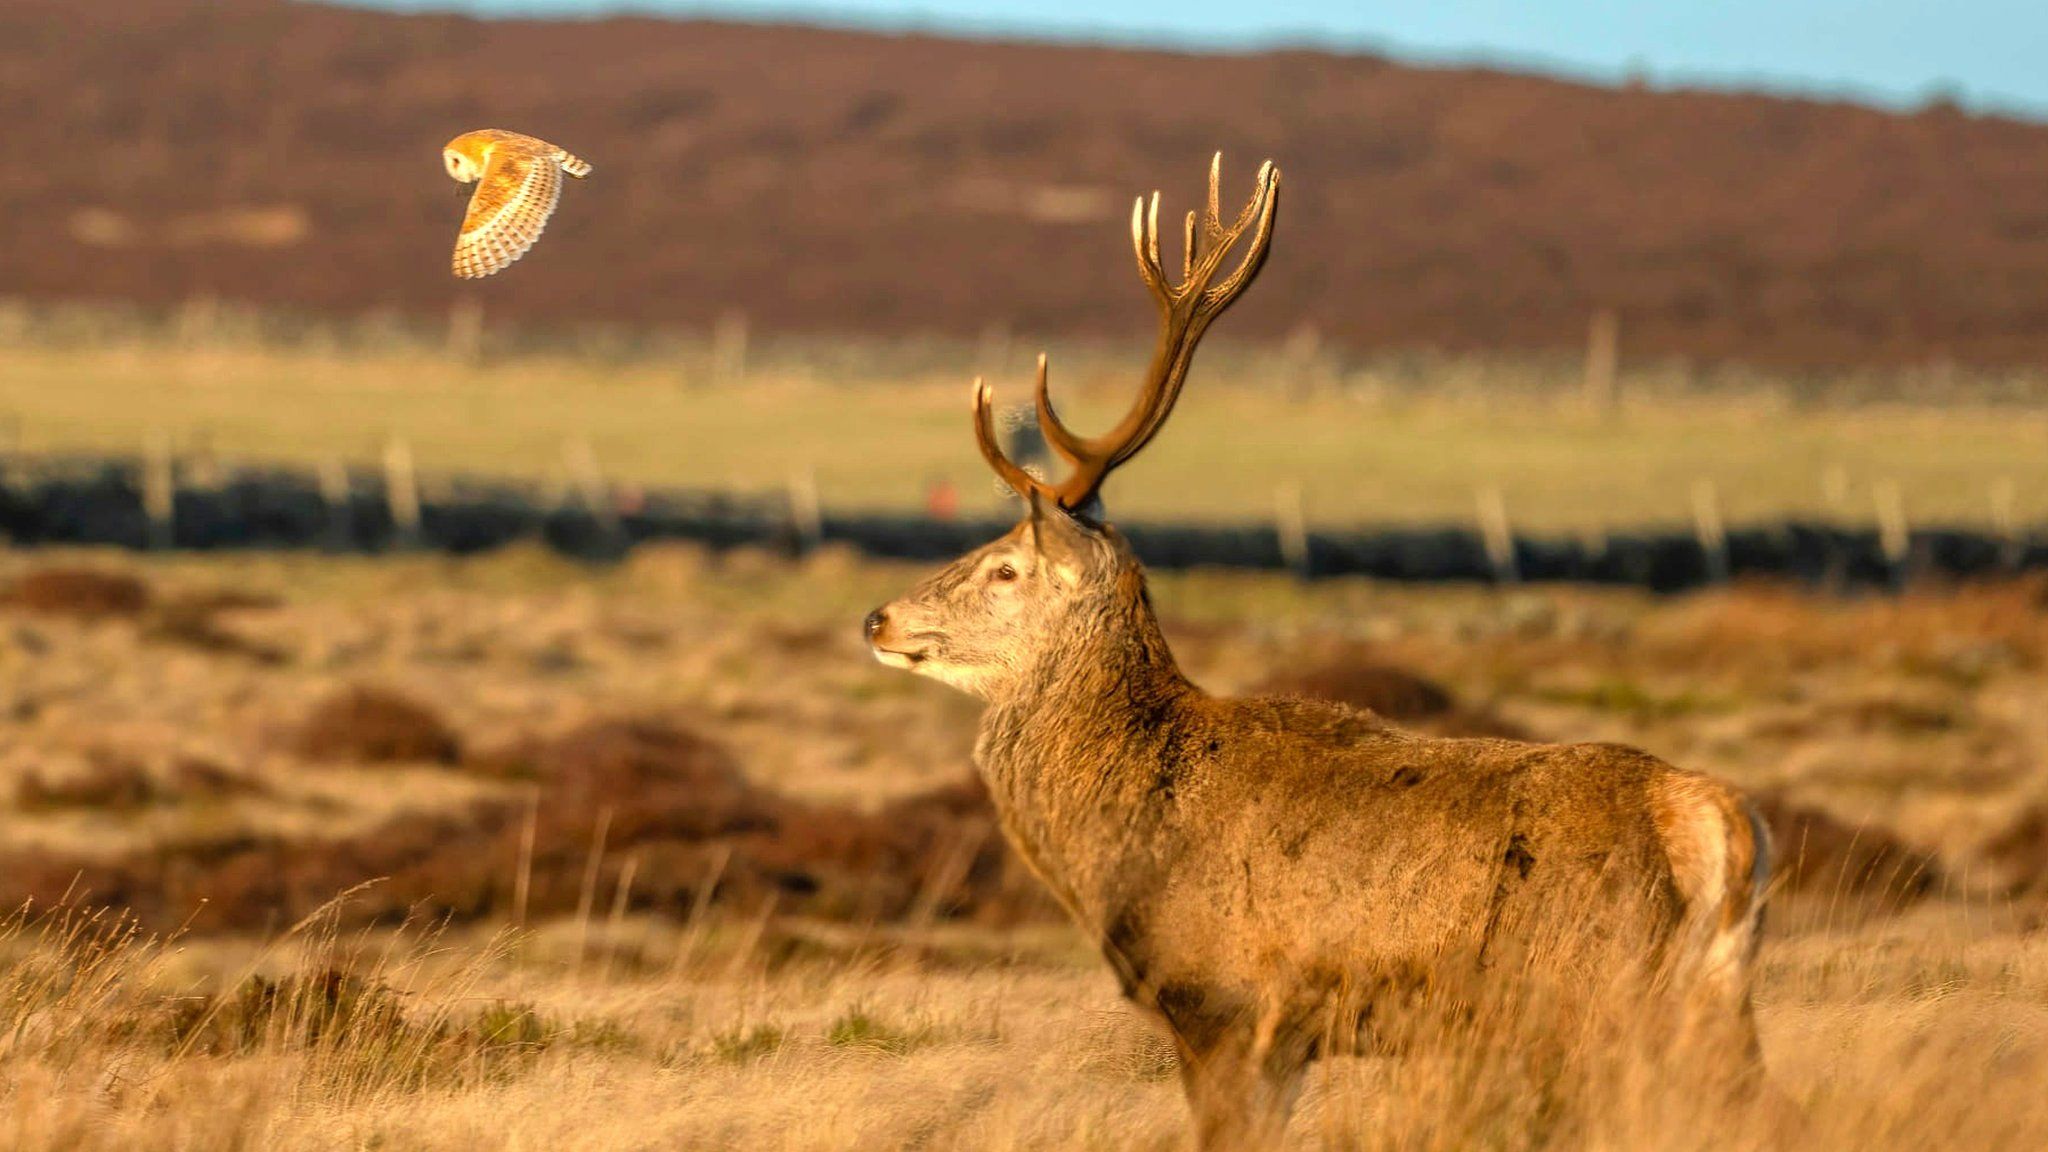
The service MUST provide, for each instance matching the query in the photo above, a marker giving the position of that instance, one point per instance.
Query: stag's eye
(1006, 573)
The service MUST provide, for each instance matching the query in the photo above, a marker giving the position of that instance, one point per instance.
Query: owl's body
(518, 182)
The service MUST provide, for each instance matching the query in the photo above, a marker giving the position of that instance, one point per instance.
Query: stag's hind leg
(1241, 1085)
(1720, 855)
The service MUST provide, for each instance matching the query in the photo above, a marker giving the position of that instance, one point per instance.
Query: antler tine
(1145, 241)
(1047, 418)
(1186, 310)
(1264, 202)
(1195, 304)
(1022, 482)
(1212, 218)
(1089, 467)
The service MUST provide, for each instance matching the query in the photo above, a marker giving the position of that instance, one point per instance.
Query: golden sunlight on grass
(762, 909)
(1927, 1034)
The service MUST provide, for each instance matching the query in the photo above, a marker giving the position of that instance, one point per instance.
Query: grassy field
(432, 853)
(1928, 1033)
(876, 438)
(170, 743)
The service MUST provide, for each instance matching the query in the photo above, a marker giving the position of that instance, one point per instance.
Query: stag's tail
(1720, 854)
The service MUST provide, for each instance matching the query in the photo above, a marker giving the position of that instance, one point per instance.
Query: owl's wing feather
(507, 212)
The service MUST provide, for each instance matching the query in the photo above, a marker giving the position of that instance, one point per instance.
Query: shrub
(746, 1045)
(861, 1029)
(194, 622)
(114, 782)
(1395, 693)
(673, 800)
(2022, 850)
(1354, 678)
(108, 783)
(196, 778)
(1820, 854)
(355, 1029)
(294, 1012)
(374, 726)
(89, 593)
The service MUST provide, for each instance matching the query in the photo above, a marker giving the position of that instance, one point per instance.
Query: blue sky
(1990, 53)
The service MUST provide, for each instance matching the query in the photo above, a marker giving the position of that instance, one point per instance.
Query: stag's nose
(874, 622)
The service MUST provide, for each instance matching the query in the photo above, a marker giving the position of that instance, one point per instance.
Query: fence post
(590, 485)
(160, 491)
(1593, 542)
(1290, 524)
(15, 467)
(806, 519)
(1498, 535)
(1710, 529)
(9, 436)
(337, 496)
(203, 468)
(402, 492)
(1834, 495)
(1603, 357)
(1894, 533)
(2005, 522)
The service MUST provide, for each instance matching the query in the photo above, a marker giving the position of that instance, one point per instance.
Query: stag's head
(986, 620)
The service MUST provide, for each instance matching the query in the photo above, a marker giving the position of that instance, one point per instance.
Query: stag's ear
(1069, 547)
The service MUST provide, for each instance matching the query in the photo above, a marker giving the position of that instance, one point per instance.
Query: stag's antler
(1185, 311)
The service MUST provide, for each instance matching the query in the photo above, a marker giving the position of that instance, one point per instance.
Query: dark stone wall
(96, 501)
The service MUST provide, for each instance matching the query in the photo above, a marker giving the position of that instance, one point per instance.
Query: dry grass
(817, 943)
(1925, 1034)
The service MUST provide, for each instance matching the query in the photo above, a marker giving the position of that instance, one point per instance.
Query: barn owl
(518, 182)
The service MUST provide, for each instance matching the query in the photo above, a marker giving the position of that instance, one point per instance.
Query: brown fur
(1280, 878)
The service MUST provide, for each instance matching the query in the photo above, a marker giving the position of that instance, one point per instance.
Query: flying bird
(518, 183)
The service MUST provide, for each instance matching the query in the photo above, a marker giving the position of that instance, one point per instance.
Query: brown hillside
(831, 181)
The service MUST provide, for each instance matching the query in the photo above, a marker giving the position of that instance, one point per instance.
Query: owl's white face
(461, 167)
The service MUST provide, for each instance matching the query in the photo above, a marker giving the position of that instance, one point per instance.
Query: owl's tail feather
(575, 166)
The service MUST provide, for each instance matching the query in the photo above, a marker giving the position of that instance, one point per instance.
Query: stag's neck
(1073, 755)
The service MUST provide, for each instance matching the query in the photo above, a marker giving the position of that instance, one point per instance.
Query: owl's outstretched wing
(507, 212)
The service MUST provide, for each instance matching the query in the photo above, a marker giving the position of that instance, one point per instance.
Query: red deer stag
(1280, 879)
